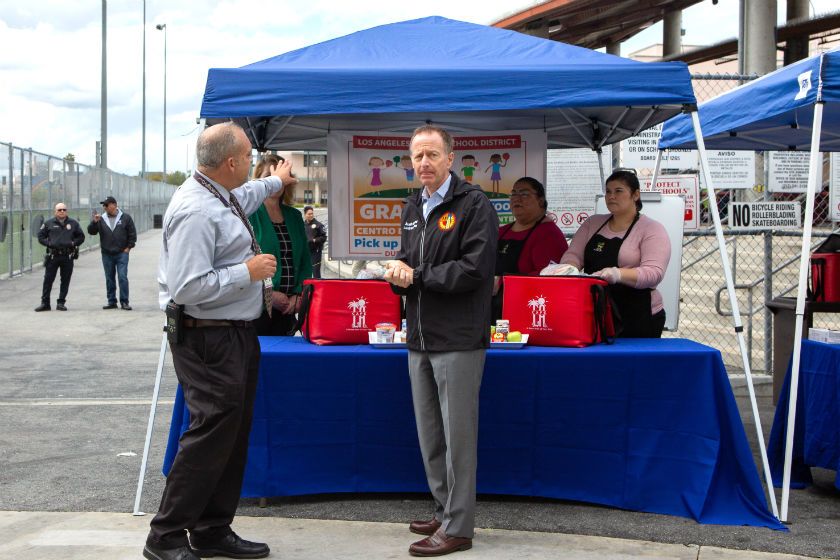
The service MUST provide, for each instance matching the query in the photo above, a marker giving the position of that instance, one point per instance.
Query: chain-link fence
(765, 265)
(31, 183)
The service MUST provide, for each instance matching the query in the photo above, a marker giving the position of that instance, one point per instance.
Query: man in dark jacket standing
(445, 269)
(117, 236)
(61, 236)
(316, 234)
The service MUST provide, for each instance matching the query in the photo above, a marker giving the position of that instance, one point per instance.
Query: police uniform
(62, 240)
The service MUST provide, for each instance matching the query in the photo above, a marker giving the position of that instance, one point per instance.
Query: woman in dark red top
(532, 241)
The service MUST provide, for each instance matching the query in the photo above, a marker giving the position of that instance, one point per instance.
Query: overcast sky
(50, 55)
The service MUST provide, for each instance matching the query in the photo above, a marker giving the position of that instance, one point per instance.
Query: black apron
(508, 252)
(632, 305)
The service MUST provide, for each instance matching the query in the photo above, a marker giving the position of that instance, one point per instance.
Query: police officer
(61, 236)
(316, 234)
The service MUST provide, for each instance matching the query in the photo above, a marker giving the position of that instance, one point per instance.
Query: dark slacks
(51, 266)
(316, 257)
(217, 368)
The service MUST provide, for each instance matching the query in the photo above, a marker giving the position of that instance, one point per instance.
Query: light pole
(162, 27)
(103, 118)
(143, 150)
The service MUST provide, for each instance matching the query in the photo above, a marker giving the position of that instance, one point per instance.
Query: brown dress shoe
(423, 527)
(439, 544)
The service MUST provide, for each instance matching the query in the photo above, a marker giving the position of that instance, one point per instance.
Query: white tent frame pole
(733, 301)
(656, 167)
(151, 424)
(814, 171)
(599, 155)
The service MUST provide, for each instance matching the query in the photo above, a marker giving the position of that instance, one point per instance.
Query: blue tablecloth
(646, 425)
(816, 438)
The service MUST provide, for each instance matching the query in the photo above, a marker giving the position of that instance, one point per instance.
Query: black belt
(192, 322)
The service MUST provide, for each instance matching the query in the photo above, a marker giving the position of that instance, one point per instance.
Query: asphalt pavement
(74, 403)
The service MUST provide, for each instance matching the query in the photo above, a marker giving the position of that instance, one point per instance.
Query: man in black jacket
(61, 236)
(316, 234)
(117, 236)
(445, 269)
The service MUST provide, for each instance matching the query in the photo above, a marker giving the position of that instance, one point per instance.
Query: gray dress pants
(444, 388)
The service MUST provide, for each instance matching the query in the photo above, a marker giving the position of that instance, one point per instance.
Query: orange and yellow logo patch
(447, 221)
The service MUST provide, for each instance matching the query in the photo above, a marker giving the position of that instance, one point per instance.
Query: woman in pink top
(532, 241)
(628, 250)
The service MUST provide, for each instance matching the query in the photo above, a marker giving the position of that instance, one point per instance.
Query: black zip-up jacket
(453, 255)
(114, 242)
(316, 235)
(62, 238)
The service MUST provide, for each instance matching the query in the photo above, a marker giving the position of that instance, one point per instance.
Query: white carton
(818, 335)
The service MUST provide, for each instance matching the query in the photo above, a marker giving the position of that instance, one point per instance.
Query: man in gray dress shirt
(210, 264)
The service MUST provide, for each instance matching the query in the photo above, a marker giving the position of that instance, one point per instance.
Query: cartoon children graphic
(496, 175)
(376, 164)
(405, 163)
(468, 170)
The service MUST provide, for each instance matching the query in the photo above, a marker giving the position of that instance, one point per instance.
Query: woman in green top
(279, 230)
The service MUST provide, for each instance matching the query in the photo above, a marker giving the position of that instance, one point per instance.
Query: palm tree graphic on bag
(538, 311)
(358, 309)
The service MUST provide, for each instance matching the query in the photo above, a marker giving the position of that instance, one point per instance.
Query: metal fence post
(11, 206)
(768, 278)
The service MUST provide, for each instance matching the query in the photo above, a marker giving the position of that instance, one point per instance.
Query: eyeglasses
(522, 194)
(61, 209)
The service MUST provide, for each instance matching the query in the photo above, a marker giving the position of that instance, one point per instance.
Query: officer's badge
(67, 226)
(446, 222)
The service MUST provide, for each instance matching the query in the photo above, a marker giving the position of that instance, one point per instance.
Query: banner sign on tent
(758, 216)
(685, 186)
(372, 173)
(640, 152)
(789, 172)
(731, 169)
(834, 187)
(573, 181)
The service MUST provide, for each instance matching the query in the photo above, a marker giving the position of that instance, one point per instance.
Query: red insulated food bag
(344, 311)
(558, 310)
(825, 270)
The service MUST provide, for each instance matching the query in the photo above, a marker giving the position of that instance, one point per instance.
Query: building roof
(592, 23)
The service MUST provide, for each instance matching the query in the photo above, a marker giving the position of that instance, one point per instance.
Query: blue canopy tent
(461, 76)
(794, 108)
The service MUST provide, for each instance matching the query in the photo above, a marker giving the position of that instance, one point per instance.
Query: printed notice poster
(731, 169)
(834, 187)
(640, 152)
(789, 172)
(765, 215)
(371, 174)
(685, 186)
(573, 181)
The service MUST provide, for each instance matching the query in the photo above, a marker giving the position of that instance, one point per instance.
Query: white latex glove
(560, 270)
(611, 274)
